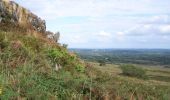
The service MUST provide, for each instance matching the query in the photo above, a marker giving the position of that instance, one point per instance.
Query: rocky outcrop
(12, 12)
(53, 36)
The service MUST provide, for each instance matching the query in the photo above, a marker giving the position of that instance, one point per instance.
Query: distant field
(131, 56)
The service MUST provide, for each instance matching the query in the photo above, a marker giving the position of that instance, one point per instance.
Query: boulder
(12, 12)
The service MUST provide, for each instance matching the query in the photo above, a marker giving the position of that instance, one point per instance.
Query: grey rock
(53, 36)
(12, 12)
(58, 67)
(56, 36)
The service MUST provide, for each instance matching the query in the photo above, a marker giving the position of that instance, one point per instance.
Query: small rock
(57, 67)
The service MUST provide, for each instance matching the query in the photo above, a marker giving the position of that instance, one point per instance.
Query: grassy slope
(156, 87)
(27, 72)
(27, 67)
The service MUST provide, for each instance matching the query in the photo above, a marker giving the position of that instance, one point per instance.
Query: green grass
(126, 87)
(133, 71)
(27, 72)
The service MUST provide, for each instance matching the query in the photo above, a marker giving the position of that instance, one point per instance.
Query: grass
(129, 87)
(27, 72)
(133, 71)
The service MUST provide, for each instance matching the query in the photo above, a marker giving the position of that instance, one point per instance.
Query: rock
(12, 12)
(49, 34)
(57, 67)
(55, 37)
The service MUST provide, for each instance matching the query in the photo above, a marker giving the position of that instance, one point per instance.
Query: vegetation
(125, 87)
(127, 56)
(65, 45)
(101, 62)
(131, 70)
(27, 71)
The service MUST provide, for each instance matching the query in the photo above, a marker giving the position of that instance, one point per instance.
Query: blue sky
(106, 23)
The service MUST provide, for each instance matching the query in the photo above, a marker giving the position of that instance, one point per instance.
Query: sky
(106, 23)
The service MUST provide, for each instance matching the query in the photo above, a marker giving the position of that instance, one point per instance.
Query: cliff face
(12, 12)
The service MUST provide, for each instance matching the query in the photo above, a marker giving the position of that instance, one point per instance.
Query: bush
(80, 68)
(65, 45)
(55, 55)
(101, 63)
(131, 70)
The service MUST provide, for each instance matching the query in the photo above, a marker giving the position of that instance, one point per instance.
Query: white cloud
(151, 29)
(165, 29)
(104, 34)
(156, 25)
(120, 36)
(159, 19)
(92, 8)
(121, 20)
(120, 33)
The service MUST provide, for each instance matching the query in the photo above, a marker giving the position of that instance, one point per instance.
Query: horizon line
(123, 48)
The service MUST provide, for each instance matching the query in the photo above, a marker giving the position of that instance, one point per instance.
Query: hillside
(33, 66)
(36, 67)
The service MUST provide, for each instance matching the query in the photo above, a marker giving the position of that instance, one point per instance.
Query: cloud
(159, 19)
(149, 29)
(120, 36)
(104, 34)
(103, 37)
(155, 25)
(55, 8)
(165, 29)
(105, 23)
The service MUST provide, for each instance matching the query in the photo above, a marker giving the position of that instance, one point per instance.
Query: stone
(56, 36)
(57, 67)
(14, 13)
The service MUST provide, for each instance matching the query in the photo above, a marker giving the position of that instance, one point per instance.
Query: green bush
(80, 68)
(131, 70)
(102, 62)
(3, 42)
(60, 57)
(55, 55)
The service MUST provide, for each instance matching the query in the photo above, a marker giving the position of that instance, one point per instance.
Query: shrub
(3, 42)
(65, 45)
(80, 68)
(102, 63)
(55, 55)
(60, 57)
(131, 70)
